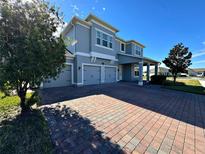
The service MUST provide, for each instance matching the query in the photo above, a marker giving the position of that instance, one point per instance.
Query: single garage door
(63, 79)
(92, 74)
(110, 74)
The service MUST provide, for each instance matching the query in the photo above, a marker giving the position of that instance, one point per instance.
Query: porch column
(148, 72)
(156, 69)
(140, 82)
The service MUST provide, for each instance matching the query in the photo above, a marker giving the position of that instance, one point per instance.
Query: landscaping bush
(158, 79)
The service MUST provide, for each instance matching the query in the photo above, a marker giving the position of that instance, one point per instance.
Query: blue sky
(158, 24)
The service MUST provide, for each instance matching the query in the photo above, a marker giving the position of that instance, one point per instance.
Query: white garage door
(92, 74)
(110, 74)
(63, 79)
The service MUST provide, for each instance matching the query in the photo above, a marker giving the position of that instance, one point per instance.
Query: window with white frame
(110, 41)
(136, 70)
(122, 47)
(98, 36)
(103, 39)
(138, 50)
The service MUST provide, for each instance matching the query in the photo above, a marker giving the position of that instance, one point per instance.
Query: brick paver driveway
(125, 118)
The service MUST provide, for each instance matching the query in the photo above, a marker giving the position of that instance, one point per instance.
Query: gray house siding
(126, 76)
(71, 35)
(83, 39)
(124, 59)
(95, 48)
(129, 48)
(117, 46)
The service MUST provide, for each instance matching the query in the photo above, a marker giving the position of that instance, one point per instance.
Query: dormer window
(138, 50)
(122, 48)
(103, 39)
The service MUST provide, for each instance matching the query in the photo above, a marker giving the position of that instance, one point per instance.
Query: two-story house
(98, 56)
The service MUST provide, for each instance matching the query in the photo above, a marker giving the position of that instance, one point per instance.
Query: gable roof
(75, 20)
(130, 41)
(93, 17)
(137, 43)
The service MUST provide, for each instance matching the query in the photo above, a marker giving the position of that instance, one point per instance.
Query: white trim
(103, 56)
(102, 26)
(103, 32)
(72, 76)
(121, 46)
(82, 54)
(101, 39)
(74, 35)
(83, 25)
(78, 83)
(101, 46)
(98, 65)
(136, 56)
(96, 54)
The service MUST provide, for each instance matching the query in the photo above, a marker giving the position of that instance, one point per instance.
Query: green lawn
(19, 135)
(186, 85)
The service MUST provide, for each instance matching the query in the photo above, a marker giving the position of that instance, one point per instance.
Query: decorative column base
(140, 83)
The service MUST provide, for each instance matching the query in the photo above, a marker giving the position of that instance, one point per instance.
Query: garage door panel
(92, 75)
(110, 74)
(63, 79)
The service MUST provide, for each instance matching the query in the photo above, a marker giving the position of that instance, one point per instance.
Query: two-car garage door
(96, 74)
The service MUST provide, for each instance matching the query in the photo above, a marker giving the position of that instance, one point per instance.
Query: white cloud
(104, 8)
(199, 54)
(199, 62)
(75, 10)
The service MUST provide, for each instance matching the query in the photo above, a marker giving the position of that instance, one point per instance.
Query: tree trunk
(24, 107)
(175, 77)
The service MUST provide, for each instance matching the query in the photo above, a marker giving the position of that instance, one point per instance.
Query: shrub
(158, 79)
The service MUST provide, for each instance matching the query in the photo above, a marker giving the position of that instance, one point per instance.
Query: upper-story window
(98, 38)
(104, 39)
(138, 50)
(122, 47)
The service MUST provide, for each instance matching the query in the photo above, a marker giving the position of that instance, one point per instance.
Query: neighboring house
(98, 56)
(192, 72)
(162, 71)
(200, 71)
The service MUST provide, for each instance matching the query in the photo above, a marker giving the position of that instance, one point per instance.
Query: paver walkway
(202, 82)
(125, 118)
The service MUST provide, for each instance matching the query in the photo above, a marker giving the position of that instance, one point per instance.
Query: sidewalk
(202, 82)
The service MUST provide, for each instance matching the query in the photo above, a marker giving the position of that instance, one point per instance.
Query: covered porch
(131, 68)
(147, 64)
